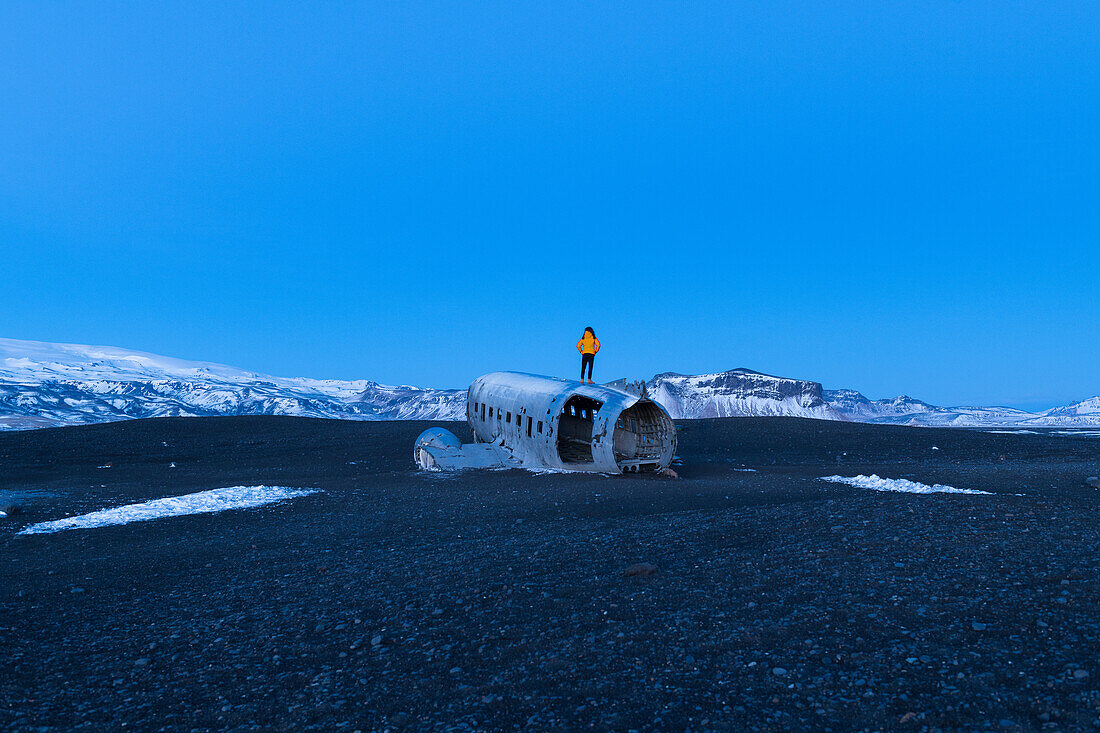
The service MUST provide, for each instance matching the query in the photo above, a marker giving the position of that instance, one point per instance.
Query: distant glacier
(50, 385)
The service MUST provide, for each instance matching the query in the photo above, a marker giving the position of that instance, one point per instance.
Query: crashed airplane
(534, 422)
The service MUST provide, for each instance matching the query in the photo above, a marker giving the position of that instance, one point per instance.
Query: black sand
(498, 601)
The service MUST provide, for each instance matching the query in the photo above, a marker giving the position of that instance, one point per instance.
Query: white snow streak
(203, 502)
(898, 484)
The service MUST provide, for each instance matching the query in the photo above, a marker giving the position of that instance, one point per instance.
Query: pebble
(528, 613)
(640, 569)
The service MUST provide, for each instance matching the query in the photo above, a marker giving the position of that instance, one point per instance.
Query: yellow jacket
(588, 345)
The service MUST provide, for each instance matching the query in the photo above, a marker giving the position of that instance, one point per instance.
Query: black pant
(587, 360)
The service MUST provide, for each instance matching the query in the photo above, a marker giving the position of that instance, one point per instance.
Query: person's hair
(588, 329)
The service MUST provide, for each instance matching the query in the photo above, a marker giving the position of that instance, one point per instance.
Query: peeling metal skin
(535, 422)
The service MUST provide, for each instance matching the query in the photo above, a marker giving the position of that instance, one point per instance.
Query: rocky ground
(498, 600)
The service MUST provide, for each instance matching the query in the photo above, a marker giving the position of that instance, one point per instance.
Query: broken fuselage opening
(642, 438)
(575, 423)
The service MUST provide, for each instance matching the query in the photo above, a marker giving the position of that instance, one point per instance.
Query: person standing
(589, 346)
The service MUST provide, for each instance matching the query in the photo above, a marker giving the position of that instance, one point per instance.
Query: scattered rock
(1093, 481)
(446, 579)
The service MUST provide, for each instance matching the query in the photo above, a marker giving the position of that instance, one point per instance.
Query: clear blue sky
(889, 196)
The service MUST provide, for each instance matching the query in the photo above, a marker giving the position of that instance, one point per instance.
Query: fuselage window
(482, 410)
(509, 418)
(490, 413)
(540, 427)
(528, 426)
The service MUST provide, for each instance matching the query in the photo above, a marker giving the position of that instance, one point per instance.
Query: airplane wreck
(534, 422)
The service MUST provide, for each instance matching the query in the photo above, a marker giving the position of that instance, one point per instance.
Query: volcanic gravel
(728, 599)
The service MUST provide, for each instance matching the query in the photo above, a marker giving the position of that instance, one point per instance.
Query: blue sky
(893, 197)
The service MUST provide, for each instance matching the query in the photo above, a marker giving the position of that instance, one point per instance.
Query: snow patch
(202, 502)
(898, 484)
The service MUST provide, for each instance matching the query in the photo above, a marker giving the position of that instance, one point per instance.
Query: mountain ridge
(46, 385)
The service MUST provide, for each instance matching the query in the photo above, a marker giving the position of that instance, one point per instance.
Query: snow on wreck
(535, 422)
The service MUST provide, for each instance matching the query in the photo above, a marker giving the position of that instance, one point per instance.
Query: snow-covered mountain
(739, 392)
(745, 392)
(44, 385)
(1085, 413)
(905, 410)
